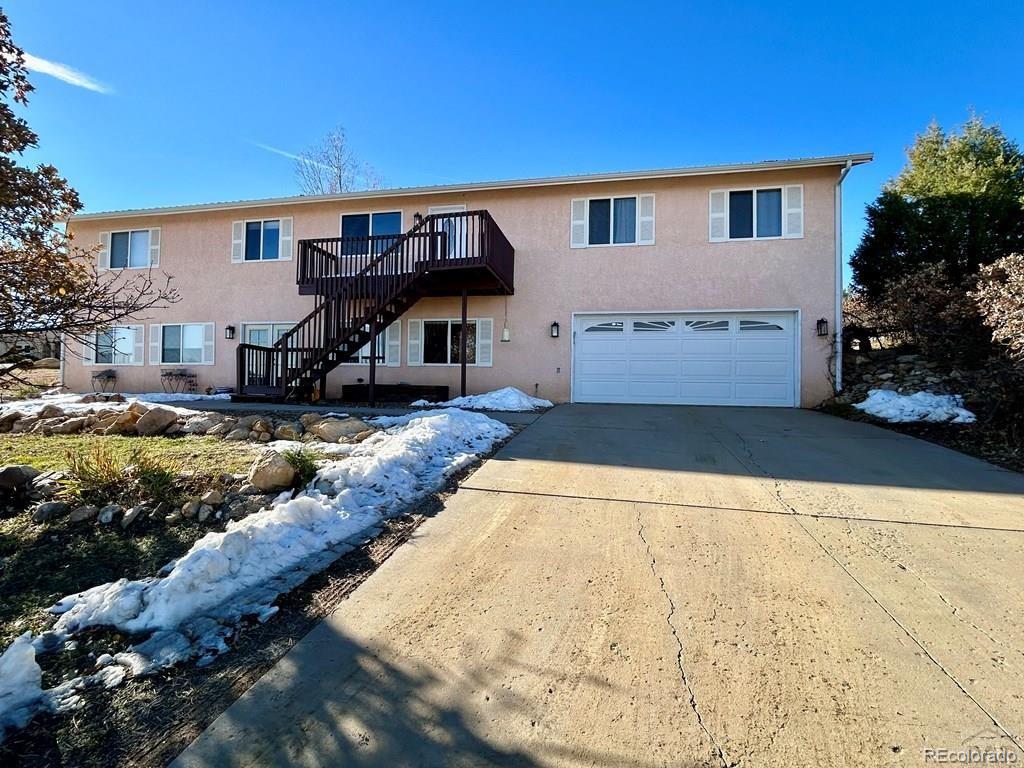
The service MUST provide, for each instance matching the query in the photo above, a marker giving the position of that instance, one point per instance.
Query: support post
(463, 338)
(371, 394)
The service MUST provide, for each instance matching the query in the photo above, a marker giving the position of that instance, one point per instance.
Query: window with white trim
(600, 221)
(437, 341)
(120, 345)
(365, 225)
(389, 347)
(261, 240)
(758, 213)
(130, 249)
(181, 344)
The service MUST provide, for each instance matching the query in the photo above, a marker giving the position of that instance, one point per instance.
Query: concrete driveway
(670, 586)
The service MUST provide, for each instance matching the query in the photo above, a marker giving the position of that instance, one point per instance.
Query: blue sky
(444, 92)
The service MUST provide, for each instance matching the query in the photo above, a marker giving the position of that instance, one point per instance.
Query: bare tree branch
(331, 166)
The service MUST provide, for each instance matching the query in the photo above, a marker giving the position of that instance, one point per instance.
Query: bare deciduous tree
(330, 167)
(47, 283)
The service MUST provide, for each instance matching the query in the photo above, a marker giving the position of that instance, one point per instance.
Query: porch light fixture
(229, 331)
(506, 335)
(554, 330)
(823, 327)
(417, 218)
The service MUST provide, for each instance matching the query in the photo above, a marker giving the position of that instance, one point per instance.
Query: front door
(264, 335)
(455, 228)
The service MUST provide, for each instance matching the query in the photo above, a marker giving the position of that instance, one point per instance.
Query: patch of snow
(314, 446)
(20, 683)
(919, 406)
(71, 405)
(505, 399)
(176, 397)
(193, 608)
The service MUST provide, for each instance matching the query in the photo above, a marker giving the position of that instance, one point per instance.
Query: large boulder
(70, 426)
(7, 420)
(123, 424)
(155, 420)
(332, 430)
(25, 424)
(224, 428)
(15, 476)
(47, 362)
(238, 433)
(50, 411)
(271, 472)
(289, 430)
(202, 423)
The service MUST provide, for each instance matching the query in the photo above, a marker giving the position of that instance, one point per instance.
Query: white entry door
(739, 358)
(454, 227)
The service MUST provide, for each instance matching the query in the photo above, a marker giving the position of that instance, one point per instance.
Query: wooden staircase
(366, 283)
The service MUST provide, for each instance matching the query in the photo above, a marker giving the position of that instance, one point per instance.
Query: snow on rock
(20, 683)
(920, 406)
(72, 405)
(191, 609)
(505, 399)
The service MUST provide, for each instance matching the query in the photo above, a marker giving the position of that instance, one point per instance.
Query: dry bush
(1000, 298)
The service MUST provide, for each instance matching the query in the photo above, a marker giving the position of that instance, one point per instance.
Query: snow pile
(194, 605)
(920, 406)
(176, 397)
(20, 683)
(71, 404)
(505, 399)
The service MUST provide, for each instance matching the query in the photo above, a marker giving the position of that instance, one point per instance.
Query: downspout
(839, 277)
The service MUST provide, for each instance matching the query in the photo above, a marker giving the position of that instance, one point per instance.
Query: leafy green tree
(958, 204)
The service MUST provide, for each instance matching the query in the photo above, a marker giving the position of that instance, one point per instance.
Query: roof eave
(483, 186)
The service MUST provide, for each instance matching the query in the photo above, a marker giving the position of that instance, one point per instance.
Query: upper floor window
(761, 213)
(130, 249)
(261, 240)
(121, 345)
(364, 225)
(625, 220)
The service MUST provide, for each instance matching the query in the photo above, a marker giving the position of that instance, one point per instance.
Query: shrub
(1000, 298)
(304, 463)
(99, 476)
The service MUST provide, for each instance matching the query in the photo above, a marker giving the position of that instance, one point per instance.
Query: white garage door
(740, 358)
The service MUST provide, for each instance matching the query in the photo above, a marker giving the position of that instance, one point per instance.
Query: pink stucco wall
(682, 271)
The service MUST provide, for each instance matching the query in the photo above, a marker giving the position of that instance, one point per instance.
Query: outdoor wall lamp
(417, 218)
(506, 334)
(823, 327)
(554, 330)
(229, 331)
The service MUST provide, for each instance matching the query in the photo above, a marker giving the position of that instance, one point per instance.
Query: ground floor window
(442, 342)
(118, 346)
(181, 343)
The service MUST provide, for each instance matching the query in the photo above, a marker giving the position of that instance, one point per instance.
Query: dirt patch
(148, 721)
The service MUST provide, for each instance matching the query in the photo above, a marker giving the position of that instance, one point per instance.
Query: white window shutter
(578, 229)
(793, 211)
(104, 250)
(393, 345)
(718, 216)
(208, 342)
(139, 344)
(485, 341)
(645, 220)
(285, 242)
(89, 350)
(155, 339)
(154, 247)
(237, 242)
(415, 351)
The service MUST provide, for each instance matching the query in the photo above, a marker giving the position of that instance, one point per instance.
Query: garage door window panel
(612, 326)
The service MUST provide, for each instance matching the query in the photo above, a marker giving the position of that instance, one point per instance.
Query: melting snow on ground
(920, 406)
(505, 399)
(195, 604)
(72, 403)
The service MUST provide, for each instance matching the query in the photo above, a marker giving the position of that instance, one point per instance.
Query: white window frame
(755, 190)
(153, 248)
(245, 234)
(138, 344)
(452, 320)
(156, 337)
(399, 211)
(611, 232)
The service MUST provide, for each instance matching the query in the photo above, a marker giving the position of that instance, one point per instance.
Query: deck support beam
(463, 339)
(371, 394)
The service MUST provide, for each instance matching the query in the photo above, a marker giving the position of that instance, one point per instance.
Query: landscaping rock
(123, 424)
(109, 512)
(49, 510)
(309, 418)
(289, 430)
(246, 422)
(45, 426)
(238, 433)
(271, 472)
(204, 512)
(171, 431)
(224, 428)
(190, 509)
(363, 435)
(81, 514)
(263, 425)
(131, 514)
(155, 420)
(50, 411)
(248, 490)
(201, 424)
(25, 424)
(51, 363)
(265, 437)
(7, 420)
(332, 430)
(213, 498)
(71, 426)
(15, 476)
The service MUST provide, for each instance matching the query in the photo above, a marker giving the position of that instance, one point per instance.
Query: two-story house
(705, 285)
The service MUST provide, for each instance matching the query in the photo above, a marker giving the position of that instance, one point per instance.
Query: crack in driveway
(652, 561)
(751, 464)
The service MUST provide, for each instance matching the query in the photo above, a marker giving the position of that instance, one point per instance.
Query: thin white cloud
(65, 73)
(289, 155)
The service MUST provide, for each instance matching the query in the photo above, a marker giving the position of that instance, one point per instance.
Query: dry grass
(35, 381)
